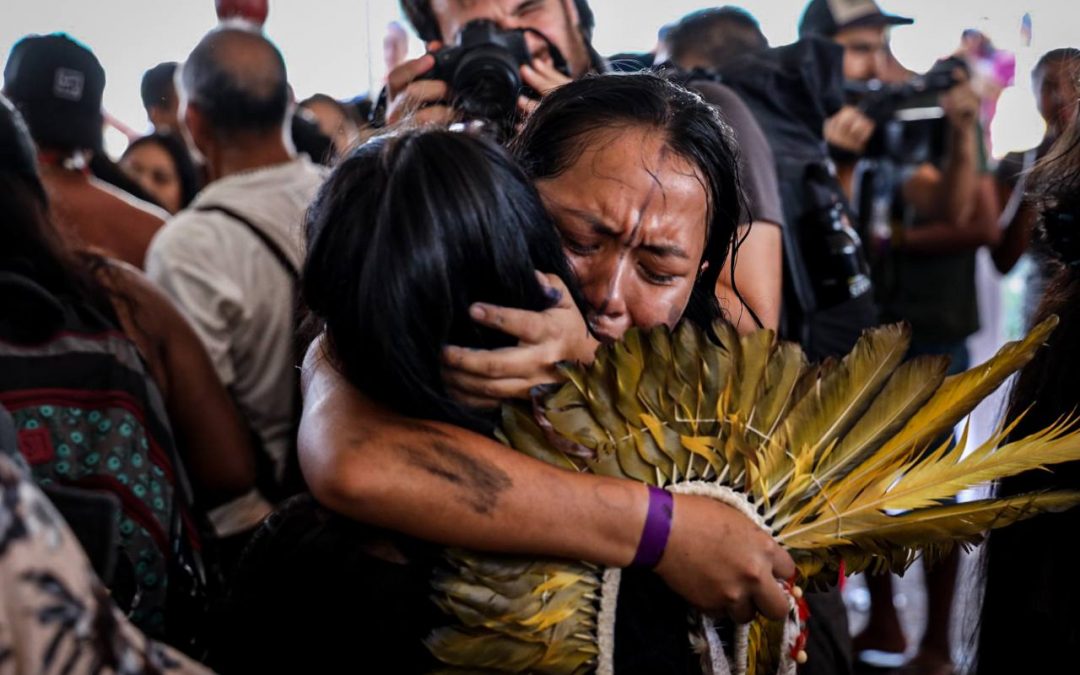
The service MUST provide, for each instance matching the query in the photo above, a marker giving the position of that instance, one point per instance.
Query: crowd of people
(251, 370)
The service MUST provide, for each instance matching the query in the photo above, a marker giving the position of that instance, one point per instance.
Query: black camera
(910, 122)
(483, 69)
(883, 102)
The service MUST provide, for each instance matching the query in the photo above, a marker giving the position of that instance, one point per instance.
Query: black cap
(829, 17)
(17, 154)
(57, 85)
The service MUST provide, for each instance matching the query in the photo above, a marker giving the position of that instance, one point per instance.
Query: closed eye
(527, 7)
(656, 278)
(577, 247)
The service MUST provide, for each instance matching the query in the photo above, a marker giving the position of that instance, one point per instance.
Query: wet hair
(158, 89)
(406, 234)
(237, 79)
(1030, 600)
(181, 158)
(718, 35)
(423, 20)
(561, 127)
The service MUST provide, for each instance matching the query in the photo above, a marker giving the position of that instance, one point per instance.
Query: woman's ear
(704, 266)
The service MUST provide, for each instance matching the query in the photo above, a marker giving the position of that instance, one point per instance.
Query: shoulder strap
(267, 241)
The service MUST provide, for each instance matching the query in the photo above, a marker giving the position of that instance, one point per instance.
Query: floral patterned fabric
(55, 615)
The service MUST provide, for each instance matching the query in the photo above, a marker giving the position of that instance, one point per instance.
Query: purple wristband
(654, 536)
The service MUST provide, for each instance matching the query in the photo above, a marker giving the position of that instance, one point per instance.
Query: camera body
(910, 122)
(483, 70)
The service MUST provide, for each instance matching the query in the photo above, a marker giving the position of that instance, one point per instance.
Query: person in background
(992, 70)
(230, 260)
(1028, 616)
(57, 84)
(711, 38)
(924, 274)
(159, 97)
(160, 163)
(1056, 82)
(334, 121)
(395, 46)
(118, 338)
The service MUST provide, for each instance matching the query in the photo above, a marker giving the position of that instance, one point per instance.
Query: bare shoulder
(136, 207)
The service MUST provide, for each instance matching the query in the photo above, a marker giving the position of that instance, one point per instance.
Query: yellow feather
(957, 397)
(843, 395)
(915, 529)
(906, 391)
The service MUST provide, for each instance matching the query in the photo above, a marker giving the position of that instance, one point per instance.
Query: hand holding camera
(961, 106)
(410, 96)
(488, 75)
(849, 129)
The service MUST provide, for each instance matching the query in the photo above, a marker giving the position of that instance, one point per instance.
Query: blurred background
(335, 46)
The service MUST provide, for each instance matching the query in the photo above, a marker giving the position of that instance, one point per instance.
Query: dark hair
(30, 244)
(1030, 600)
(237, 95)
(178, 151)
(423, 20)
(158, 88)
(407, 232)
(1055, 56)
(718, 35)
(557, 132)
(326, 100)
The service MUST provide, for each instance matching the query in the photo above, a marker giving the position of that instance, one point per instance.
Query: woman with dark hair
(122, 341)
(416, 265)
(1028, 622)
(162, 165)
(389, 278)
(335, 121)
(645, 203)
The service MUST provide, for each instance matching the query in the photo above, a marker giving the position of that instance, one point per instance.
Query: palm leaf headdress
(837, 461)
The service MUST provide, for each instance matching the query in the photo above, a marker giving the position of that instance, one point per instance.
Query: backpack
(88, 416)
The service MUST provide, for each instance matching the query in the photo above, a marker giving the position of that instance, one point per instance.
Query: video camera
(910, 121)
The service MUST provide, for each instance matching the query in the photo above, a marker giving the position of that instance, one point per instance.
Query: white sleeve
(187, 262)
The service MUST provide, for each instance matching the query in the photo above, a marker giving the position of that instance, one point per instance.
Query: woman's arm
(211, 436)
(446, 485)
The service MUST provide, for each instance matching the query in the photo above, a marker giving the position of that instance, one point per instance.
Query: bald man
(230, 260)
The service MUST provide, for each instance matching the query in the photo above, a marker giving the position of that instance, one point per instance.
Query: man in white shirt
(230, 260)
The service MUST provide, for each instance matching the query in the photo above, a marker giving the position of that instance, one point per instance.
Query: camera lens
(487, 83)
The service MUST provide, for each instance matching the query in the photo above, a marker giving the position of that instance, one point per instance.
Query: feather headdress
(838, 460)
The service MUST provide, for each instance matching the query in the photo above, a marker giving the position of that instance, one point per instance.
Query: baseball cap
(57, 85)
(829, 17)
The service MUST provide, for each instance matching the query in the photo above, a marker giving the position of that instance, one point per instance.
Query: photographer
(557, 48)
(929, 208)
